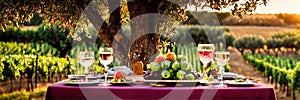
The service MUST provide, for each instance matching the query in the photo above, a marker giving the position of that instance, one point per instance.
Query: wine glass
(86, 59)
(222, 57)
(206, 54)
(106, 57)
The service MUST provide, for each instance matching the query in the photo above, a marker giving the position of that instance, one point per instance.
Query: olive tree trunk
(144, 27)
(142, 44)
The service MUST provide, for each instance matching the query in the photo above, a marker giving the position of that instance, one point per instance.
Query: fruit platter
(119, 79)
(171, 70)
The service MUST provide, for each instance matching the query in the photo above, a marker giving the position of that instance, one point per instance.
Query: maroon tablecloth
(62, 91)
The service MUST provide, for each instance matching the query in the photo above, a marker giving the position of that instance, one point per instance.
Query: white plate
(171, 80)
(81, 83)
(121, 83)
(240, 84)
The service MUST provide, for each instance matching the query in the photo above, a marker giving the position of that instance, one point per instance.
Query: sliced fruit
(119, 75)
(171, 56)
(119, 80)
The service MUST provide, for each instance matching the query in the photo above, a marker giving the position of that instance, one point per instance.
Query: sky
(275, 6)
(280, 6)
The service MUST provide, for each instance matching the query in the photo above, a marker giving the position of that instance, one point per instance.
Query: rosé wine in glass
(206, 55)
(106, 57)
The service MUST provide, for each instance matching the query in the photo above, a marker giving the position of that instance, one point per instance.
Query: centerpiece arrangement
(170, 69)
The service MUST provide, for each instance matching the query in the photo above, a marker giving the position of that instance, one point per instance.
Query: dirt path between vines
(240, 66)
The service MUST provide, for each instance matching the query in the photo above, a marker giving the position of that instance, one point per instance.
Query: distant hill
(225, 18)
(264, 20)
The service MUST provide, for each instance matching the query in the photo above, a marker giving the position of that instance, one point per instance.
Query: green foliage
(35, 20)
(229, 38)
(49, 37)
(284, 71)
(11, 34)
(200, 34)
(273, 43)
(14, 48)
(249, 42)
(12, 66)
(68, 12)
(287, 40)
(56, 37)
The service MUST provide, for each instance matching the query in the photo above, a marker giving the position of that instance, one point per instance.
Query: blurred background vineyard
(34, 56)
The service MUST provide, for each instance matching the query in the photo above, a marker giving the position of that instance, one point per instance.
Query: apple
(175, 66)
(182, 58)
(155, 66)
(148, 66)
(180, 74)
(165, 64)
(171, 56)
(190, 76)
(165, 74)
(185, 66)
(160, 59)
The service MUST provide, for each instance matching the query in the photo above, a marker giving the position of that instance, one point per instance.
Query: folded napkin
(112, 71)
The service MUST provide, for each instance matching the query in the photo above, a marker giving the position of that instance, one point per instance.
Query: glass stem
(106, 73)
(204, 71)
(86, 71)
(222, 72)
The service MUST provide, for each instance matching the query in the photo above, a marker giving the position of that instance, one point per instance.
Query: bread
(138, 68)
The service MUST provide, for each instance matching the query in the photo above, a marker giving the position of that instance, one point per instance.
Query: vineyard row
(282, 71)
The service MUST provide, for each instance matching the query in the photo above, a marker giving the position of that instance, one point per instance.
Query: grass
(23, 94)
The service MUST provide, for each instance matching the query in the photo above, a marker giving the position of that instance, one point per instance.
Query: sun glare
(273, 7)
(280, 6)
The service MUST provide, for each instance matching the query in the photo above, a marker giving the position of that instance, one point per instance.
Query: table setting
(167, 73)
